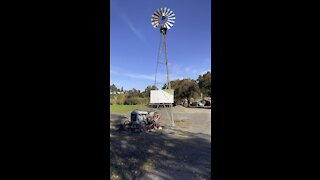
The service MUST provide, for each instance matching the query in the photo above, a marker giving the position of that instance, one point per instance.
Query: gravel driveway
(182, 152)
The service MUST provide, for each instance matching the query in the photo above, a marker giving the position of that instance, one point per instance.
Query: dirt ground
(179, 152)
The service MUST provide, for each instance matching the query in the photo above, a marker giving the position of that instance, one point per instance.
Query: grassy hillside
(125, 108)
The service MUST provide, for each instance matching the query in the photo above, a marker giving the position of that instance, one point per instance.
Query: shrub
(120, 99)
(136, 101)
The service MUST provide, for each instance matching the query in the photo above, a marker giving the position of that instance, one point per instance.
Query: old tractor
(142, 121)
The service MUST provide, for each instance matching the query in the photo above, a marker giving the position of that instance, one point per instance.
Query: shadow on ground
(168, 154)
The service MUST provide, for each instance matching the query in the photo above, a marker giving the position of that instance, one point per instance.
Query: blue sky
(134, 43)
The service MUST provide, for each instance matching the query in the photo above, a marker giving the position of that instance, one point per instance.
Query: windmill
(163, 18)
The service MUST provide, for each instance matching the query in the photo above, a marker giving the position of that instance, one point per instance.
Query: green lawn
(125, 108)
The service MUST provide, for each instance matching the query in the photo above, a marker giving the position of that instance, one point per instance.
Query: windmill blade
(172, 21)
(152, 20)
(169, 24)
(167, 12)
(155, 17)
(158, 12)
(171, 15)
(169, 18)
(155, 24)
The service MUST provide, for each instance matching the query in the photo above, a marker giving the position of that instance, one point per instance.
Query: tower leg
(172, 121)
(167, 67)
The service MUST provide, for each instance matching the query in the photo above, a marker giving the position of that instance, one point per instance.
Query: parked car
(198, 103)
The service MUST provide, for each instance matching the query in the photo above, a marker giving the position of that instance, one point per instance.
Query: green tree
(133, 93)
(204, 82)
(113, 88)
(146, 92)
(185, 88)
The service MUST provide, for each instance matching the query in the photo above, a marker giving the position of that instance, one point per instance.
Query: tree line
(183, 89)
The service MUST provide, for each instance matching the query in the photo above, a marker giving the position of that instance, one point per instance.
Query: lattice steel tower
(164, 19)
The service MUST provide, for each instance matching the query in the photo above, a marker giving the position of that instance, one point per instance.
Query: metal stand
(171, 112)
(163, 31)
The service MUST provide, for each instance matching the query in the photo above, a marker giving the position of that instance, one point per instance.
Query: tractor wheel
(125, 125)
(143, 126)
